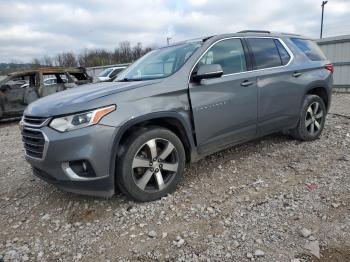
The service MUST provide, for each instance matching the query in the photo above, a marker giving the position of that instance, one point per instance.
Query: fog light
(82, 168)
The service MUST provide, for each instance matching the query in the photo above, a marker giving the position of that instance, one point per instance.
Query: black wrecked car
(21, 88)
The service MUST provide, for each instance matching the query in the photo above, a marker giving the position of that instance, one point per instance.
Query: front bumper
(93, 144)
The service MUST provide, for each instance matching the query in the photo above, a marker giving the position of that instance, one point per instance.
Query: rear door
(279, 90)
(224, 108)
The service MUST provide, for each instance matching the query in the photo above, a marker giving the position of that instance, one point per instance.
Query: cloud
(33, 29)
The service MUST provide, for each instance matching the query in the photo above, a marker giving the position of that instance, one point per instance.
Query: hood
(80, 98)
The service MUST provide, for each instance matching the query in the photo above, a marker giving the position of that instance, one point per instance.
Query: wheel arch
(173, 121)
(322, 92)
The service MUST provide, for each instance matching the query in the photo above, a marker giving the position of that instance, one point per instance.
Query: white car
(53, 81)
(109, 73)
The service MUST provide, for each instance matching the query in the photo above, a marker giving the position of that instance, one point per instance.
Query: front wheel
(312, 119)
(151, 165)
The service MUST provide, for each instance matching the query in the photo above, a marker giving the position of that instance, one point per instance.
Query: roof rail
(283, 33)
(255, 31)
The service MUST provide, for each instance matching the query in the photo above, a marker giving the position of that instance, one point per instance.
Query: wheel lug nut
(159, 160)
(154, 159)
(151, 169)
(157, 169)
(150, 164)
(160, 165)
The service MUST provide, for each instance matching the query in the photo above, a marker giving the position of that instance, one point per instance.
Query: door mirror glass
(209, 71)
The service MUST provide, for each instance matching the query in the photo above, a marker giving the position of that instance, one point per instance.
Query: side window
(115, 72)
(309, 48)
(285, 57)
(229, 54)
(265, 52)
(49, 80)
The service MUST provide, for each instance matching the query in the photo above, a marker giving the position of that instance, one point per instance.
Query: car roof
(257, 33)
(244, 33)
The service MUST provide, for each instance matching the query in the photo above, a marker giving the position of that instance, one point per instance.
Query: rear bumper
(93, 144)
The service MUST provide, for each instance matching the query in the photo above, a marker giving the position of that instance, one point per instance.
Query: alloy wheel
(155, 165)
(313, 118)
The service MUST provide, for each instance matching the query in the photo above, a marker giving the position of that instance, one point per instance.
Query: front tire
(151, 165)
(312, 119)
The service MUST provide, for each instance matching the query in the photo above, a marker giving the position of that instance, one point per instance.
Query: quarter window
(265, 52)
(285, 57)
(227, 53)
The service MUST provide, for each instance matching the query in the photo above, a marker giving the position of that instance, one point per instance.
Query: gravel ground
(274, 199)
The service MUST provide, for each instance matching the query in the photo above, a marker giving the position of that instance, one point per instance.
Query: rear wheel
(151, 165)
(312, 119)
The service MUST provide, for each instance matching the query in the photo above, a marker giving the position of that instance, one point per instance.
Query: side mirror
(209, 71)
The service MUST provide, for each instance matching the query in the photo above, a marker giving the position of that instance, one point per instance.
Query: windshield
(105, 72)
(159, 63)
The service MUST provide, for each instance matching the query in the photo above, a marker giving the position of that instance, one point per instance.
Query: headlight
(72, 122)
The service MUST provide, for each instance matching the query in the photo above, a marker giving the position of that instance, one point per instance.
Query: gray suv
(174, 105)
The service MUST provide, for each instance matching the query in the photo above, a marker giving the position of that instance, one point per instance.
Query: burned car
(21, 88)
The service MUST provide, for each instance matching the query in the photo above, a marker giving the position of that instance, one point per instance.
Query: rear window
(267, 54)
(309, 48)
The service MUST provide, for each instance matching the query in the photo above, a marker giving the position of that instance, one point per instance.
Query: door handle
(247, 83)
(297, 74)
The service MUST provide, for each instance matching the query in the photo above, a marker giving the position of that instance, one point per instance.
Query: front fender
(184, 120)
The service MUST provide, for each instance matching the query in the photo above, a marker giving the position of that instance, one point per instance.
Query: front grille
(35, 121)
(34, 142)
(33, 138)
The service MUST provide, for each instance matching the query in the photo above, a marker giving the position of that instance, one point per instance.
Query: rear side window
(227, 53)
(309, 48)
(265, 52)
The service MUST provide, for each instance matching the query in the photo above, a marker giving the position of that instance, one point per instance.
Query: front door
(224, 108)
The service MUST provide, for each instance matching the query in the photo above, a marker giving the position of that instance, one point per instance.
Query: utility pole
(323, 4)
(168, 40)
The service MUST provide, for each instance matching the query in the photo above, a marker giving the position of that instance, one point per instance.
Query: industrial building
(337, 50)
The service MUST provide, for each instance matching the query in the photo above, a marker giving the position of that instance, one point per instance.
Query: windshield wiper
(130, 79)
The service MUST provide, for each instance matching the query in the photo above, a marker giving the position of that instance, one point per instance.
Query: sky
(36, 28)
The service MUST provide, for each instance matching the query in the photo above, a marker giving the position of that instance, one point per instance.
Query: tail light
(330, 67)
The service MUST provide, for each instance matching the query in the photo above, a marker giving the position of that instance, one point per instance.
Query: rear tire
(151, 165)
(312, 119)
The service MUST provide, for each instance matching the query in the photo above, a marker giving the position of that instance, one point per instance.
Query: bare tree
(36, 62)
(124, 53)
(47, 60)
(66, 59)
(83, 58)
(137, 51)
